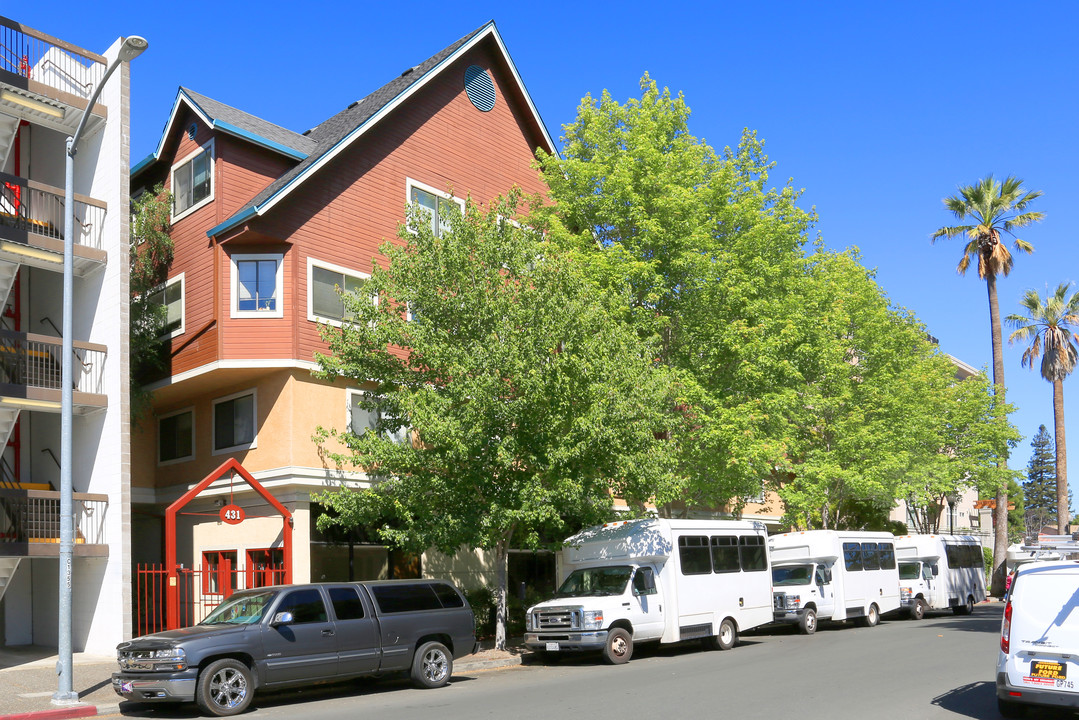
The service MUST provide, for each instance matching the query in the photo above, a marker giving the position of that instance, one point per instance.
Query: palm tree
(1050, 328)
(992, 208)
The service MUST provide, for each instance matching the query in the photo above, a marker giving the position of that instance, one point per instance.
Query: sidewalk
(28, 680)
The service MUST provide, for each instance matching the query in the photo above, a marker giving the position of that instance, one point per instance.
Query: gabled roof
(227, 119)
(340, 131)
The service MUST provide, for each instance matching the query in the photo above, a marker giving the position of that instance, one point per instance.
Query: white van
(833, 575)
(655, 580)
(1038, 663)
(937, 572)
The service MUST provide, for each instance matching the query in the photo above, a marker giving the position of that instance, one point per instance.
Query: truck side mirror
(281, 618)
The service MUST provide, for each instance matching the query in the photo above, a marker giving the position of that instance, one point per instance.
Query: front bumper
(790, 615)
(169, 687)
(1034, 696)
(568, 641)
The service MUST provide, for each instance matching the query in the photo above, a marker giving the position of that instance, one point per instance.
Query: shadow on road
(979, 701)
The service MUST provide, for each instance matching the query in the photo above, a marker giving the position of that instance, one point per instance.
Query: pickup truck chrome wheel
(432, 665)
(224, 688)
(619, 647)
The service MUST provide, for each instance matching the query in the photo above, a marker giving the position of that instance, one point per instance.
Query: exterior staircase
(9, 126)
(8, 566)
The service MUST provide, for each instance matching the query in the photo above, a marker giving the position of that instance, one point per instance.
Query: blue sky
(877, 110)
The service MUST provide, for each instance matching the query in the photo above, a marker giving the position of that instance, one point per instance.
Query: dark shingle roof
(328, 134)
(221, 113)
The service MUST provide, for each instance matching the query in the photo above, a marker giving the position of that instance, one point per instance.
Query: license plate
(1048, 669)
(551, 647)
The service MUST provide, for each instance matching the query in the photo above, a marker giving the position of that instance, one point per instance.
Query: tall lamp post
(953, 498)
(64, 695)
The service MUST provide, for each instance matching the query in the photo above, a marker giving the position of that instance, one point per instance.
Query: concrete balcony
(30, 523)
(47, 81)
(30, 373)
(32, 223)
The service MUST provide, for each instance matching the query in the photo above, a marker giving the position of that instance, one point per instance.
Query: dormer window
(192, 182)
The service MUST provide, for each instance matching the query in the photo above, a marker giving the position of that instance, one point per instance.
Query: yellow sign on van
(1048, 669)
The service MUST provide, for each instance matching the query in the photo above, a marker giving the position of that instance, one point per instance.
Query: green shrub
(483, 604)
(987, 553)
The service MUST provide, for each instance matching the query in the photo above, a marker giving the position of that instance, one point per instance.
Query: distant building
(45, 85)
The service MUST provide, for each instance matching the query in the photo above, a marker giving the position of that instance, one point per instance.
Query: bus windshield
(596, 582)
(792, 575)
(910, 570)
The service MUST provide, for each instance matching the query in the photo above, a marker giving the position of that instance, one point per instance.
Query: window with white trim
(234, 422)
(257, 285)
(193, 181)
(176, 436)
(325, 283)
(361, 419)
(171, 295)
(437, 206)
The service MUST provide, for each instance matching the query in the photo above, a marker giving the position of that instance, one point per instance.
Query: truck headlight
(794, 601)
(592, 620)
(904, 595)
(528, 620)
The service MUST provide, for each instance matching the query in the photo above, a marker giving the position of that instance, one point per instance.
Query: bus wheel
(808, 624)
(966, 608)
(917, 610)
(619, 647)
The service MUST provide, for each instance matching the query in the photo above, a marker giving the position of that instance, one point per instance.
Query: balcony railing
(33, 516)
(39, 209)
(48, 60)
(34, 361)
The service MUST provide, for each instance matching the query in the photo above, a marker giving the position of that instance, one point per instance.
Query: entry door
(304, 649)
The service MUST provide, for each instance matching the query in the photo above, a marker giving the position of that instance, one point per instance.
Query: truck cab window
(643, 582)
(306, 606)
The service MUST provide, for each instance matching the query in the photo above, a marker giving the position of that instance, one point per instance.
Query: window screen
(725, 554)
(693, 555)
(751, 549)
(852, 556)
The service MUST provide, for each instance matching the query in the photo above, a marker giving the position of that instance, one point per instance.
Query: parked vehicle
(286, 635)
(833, 575)
(655, 580)
(938, 572)
(1038, 662)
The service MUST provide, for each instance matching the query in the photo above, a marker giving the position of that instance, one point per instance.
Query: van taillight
(1006, 629)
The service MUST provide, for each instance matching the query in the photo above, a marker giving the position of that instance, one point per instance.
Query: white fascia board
(524, 90)
(308, 365)
(180, 96)
(411, 90)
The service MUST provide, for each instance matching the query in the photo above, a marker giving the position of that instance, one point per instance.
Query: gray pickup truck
(286, 635)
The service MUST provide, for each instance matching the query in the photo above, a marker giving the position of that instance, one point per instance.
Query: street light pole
(64, 695)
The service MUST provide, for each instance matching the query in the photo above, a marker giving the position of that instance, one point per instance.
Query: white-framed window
(435, 204)
(176, 437)
(235, 419)
(325, 282)
(361, 419)
(171, 295)
(257, 285)
(193, 181)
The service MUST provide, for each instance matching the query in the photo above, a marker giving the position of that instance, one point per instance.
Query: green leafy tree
(1040, 488)
(969, 437)
(530, 405)
(705, 258)
(992, 209)
(149, 257)
(1049, 329)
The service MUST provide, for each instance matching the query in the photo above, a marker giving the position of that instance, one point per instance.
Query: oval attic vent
(480, 88)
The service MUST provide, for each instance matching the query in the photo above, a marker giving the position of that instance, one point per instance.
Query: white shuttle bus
(655, 580)
(833, 575)
(938, 572)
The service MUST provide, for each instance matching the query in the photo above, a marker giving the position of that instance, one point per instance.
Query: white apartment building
(45, 85)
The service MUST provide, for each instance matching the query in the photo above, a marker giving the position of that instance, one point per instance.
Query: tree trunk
(1000, 518)
(1063, 511)
(502, 565)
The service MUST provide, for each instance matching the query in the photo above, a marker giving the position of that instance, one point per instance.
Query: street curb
(484, 664)
(75, 711)
(80, 711)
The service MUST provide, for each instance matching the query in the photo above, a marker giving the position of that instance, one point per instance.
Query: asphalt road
(941, 667)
